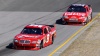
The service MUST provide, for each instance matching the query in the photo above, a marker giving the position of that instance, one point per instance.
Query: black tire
(14, 47)
(87, 21)
(64, 23)
(41, 45)
(91, 16)
(52, 39)
(84, 23)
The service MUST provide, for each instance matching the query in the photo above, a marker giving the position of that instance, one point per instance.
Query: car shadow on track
(10, 46)
(59, 21)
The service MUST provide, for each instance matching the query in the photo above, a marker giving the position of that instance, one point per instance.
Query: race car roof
(35, 26)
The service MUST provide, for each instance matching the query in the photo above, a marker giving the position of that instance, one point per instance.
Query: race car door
(47, 33)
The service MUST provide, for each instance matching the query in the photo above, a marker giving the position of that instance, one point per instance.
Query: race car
(81, 13)
(35, 37)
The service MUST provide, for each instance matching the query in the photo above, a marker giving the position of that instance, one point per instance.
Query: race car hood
(28, 36)
(74, 14)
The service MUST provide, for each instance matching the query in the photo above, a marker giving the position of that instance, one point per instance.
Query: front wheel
(91, 16)
(64, 22)
(41, 45)
(52, 39)
(84, 23)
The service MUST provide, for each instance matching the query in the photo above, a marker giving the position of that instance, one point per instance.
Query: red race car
(81, 13)
(35, 37)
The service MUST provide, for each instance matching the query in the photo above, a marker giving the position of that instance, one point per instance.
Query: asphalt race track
(15, 14)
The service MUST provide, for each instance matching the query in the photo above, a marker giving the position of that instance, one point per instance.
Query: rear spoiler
(51, 25)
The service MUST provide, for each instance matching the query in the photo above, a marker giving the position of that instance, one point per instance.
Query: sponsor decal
(47, 39)
(72, 13)
(27, 36)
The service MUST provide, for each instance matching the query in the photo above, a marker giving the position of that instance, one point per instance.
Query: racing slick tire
(14, 47)
(63, 23)
(91, 16)
(52, 40)
(84, 23)
(41, 45)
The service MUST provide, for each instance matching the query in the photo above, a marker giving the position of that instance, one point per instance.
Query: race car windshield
(76, 9)
(31, 31)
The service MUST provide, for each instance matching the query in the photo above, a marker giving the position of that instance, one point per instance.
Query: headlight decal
(15, 40)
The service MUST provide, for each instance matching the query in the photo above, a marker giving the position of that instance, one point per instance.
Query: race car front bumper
(73, 20)
(26, 46)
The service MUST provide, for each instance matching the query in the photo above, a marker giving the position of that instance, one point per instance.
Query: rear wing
(51, 25)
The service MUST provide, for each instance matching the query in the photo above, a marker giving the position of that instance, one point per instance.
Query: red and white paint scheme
(35, 37)
(77, 13)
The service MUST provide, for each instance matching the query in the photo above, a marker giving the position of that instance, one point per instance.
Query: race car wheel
(52, 39)
(87, 21)
(84, 23)
(41, 44)
(63, 22)
(15, 47)
(91, 16)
